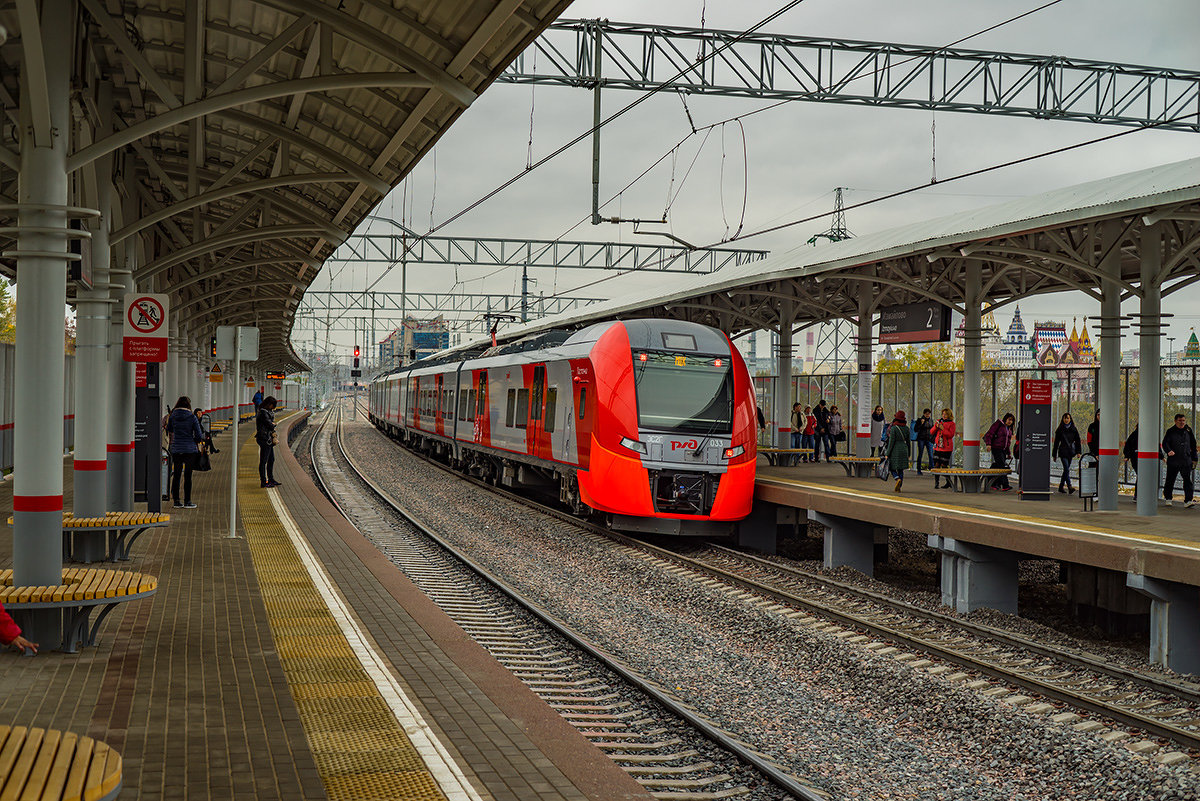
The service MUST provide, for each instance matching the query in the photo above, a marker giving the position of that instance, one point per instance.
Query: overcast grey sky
(795, 154)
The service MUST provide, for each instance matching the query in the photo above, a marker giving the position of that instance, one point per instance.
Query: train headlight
(733, 453)
(634, 445)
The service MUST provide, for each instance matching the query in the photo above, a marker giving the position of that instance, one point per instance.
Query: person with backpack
(265, 436)
(943, 445)
(897, 451)
(1179, 444)
(922, 433)
(257, 400)
(1066, 447)
(998, 438)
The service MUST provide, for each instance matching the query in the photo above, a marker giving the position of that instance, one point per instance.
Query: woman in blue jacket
(185, 435)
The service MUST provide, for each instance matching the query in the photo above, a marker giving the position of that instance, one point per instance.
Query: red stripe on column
(69, 417)
(783, 430)
(91, 464)
(969, 442)
(37, 503)
(863, 436)
(6, 427)
(120, 448)
(1147, 454)
(1109, 452)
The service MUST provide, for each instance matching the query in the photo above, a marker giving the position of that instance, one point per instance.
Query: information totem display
(1034, 447)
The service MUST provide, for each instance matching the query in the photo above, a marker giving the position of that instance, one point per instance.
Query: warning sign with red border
(145, 337)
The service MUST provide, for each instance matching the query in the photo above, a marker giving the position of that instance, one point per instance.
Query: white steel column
(862, 432)
(1149, 373)
(783, 385)
(41, 255)
(972, 364)
(1109, 447)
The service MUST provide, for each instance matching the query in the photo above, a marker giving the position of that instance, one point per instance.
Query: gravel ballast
(855, 724)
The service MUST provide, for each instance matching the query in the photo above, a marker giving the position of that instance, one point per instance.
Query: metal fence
(1075, 391)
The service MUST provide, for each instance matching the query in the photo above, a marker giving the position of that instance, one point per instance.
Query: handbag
(840, 436)
(203, 463)
(274, 438)
(883, 470)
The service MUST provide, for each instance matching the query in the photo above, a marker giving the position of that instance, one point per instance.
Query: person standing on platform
(257, 400)
(1093, 436)
(898, 451)
(1066, 447)
(878, 428)
(185, 436)
(998, 438)
(1179, 444)
(923, 436)
(264, 435)
(762, 421)
(797, 426)
(10, 634)
(943, 445)
(810, 433)
(822, 439)
(836, 432)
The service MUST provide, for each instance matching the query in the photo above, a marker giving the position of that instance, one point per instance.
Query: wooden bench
(857, 466)
(777, 456)
(122, 528)
(81, 592)
(965, 480)
(53, 765)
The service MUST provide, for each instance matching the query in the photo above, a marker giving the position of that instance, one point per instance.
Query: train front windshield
(685, 393)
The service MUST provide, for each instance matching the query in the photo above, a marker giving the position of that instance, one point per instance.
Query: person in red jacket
(10, 633)
(943, 432)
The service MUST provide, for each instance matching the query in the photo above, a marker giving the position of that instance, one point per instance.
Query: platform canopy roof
(247, 138)
(1053, 242)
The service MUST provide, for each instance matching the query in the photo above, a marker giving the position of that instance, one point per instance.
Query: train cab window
(582, 402)
(551, 402)
(522, 408)
(511, 408)
(539, 387)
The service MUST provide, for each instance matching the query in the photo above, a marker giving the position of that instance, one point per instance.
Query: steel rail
(776, 774)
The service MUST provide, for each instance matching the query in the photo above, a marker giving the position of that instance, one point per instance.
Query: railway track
(618, 710)
(1014, 666)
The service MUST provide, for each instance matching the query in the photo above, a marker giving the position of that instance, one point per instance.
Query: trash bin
(1089, 480)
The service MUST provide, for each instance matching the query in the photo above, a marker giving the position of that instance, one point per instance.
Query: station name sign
(915, 322)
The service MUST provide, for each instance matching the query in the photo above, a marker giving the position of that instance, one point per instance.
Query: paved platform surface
(1164, 546)
(198, 687)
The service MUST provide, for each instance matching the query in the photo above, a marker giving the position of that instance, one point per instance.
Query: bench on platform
(964, 480)
(122, 528)
(81, 592)
(53, 765)
(778, 456)
(857, 466)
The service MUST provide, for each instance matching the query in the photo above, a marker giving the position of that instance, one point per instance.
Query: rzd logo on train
(691, 444)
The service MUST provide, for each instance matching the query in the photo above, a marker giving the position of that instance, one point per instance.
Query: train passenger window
(539, 384)
(511, 408)
(582, 402)
(551, 401)
(522, 408)
(462, 405)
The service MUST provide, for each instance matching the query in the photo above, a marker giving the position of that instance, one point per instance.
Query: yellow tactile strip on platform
(360, 749)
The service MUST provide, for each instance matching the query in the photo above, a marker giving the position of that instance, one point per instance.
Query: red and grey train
(649, 421)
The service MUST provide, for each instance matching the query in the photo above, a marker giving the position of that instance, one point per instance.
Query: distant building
(1191, 351)
(415, 339)
(1074, 351)
(991, 340)
(1015, 352)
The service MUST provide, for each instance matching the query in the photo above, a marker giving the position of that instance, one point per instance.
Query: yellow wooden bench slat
(13, 740)
(56, 781)
(23, 766)
(77, 776)
(96, 772)
(41, 767)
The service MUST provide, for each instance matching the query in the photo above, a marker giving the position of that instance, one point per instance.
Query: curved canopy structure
(238, 142)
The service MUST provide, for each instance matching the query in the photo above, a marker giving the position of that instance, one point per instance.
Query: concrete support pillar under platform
(1174, 622)
(1102, 598)
(847, 542)
(764, 526)
(976, 576)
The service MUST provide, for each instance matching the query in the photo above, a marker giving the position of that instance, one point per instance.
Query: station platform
(1166, 546)
(295, 662)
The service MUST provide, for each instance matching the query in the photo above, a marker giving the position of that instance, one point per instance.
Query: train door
(537, 399)
(584, 404)
(483, 423)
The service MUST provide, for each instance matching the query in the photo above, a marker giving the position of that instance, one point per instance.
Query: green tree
(8, 315)
(931, 358)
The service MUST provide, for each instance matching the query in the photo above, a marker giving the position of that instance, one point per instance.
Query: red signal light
(642, 357)
(717, 362)
(356, 350)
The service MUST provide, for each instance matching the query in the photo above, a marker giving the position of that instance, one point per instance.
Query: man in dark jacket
(923, 435)
(822, 438)
(1093, 436)
(1179, 444)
